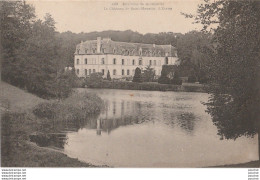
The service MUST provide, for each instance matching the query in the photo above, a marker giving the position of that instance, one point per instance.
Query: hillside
(16, 99)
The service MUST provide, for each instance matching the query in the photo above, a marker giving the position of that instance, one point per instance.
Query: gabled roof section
(108, 46)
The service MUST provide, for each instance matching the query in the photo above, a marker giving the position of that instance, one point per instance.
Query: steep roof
(108, 46)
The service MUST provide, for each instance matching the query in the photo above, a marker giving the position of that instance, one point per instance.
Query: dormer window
(114, 51)
(77, 51)
(140, 51)
(159, 53)
(133, 52)
(86, 51)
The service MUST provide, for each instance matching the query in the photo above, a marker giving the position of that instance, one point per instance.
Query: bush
(192, 79)
(176, 81)
(108, 76)
(46, 110)
(75, 108)
(164, 80)
(138, 75)
(95, 79)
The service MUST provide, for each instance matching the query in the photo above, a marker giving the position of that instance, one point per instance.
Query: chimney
(98, 44)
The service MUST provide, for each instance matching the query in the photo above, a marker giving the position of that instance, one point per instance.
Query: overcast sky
(88, 16)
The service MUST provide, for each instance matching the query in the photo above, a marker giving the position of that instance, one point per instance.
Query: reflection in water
(187, 121)
(152, 129)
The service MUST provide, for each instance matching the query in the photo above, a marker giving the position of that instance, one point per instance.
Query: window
(77, 51)
(86, 51)
(114, 51)
(114, 61)
(89, 71)
(77, 61)
(154, 62)
(86, 72)
(123, 72)
(94, 70)
(94, 51)
(133, 62)
(128, 72)
(103, 71)
(150, 62)
(114, 107)
(114, 72)
(166, 60)
(140, 62)
(123, 61)
(86, 61)
(140, 52)
(103, 61)
(77, 71)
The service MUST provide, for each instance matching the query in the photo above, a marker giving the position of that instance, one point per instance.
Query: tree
(170, 75)
(138, 75)
(149, 74)
(31, 52)
(234, 66)
(16, 21)
(108, 76)
(191, 47)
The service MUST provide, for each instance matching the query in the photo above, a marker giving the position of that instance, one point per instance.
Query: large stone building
(120, 58)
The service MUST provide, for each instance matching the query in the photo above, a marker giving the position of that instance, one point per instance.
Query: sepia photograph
(130, 84)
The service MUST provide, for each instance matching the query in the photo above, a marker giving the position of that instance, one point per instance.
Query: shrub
(176, 81)
(192, 79)
(108, 76)
(75, 108)
(138, 75)
(45, 110)
(164, 80)
(95, 79)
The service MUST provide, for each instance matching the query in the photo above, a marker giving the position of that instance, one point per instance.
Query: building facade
(121, 58)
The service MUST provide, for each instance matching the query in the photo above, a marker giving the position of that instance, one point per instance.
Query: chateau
(121, 58)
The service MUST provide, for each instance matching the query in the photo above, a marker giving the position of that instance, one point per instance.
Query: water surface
(155, 129)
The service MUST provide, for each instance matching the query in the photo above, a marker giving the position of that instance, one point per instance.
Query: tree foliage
(191, 52)
(234, 65)
(138, 75)
(170, 75)
(31, 52)
(148, 74)
(108, 76)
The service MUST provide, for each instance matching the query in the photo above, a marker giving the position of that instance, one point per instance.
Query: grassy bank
(148, 86)
(18, 121)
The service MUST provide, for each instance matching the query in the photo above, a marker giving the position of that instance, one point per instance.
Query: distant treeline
(35, 54)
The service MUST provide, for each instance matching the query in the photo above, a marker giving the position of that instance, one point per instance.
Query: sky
(142, 16)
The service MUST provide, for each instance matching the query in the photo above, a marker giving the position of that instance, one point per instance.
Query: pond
(154, 129)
